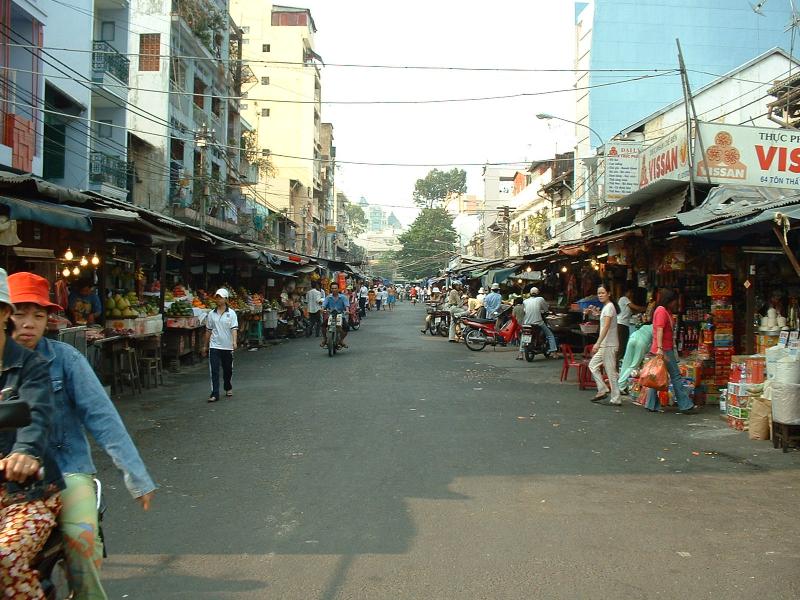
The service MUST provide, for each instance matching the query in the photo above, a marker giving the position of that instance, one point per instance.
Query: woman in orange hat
(28, 505)
(80, 404)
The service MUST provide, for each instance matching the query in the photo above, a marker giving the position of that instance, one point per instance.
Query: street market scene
(440, 300)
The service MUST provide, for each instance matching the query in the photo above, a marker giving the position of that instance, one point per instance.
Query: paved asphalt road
(410, 468)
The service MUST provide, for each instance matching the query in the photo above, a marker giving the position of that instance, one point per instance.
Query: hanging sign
(622, 169)
(668, 158)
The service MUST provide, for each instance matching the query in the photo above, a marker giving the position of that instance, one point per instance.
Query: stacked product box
(746, 383)
(722, 314)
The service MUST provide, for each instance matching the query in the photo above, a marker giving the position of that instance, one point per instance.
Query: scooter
(534, 342)
(335, 321)
(51, 562)
(482, 332)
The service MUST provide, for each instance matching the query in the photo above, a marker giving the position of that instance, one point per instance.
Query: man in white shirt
(222, 327)
(363, 297)
(535, 307)
(314, 298)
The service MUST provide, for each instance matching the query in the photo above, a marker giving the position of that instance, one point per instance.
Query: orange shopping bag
(654, 374)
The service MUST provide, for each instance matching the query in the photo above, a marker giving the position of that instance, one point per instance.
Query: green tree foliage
(356, 218)
(427, 245)
(438, 185)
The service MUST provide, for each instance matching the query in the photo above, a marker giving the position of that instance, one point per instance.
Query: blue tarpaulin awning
(47, 213)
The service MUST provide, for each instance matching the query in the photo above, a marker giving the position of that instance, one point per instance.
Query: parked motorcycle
(483, 331)
(534, 342)
(439, 322)
(51, 562)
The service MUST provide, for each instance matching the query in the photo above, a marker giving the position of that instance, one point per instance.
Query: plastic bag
(654, 374)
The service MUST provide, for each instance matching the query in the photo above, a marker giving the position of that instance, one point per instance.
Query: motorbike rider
(28, 505)
(339, 303)
(535, 309)
(456, 309)
(80, 405)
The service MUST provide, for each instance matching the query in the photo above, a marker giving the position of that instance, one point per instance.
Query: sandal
(229, 393)
(600, 397)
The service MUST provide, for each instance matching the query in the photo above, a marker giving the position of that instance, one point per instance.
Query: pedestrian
(535, 309)
(80, 405)
(314, 298)
(518, 314)
(222, 327)
(638, 346)
(379, 298)
(363, 298)
(371, 296)
(392, 297)
(627, 308)
(29, 504)
(384, 298)
(664, 345)
(605, 351)
(492, 301)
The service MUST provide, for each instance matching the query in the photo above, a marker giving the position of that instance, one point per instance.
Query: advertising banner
(758, 156)
(668, 158)
(622, 169)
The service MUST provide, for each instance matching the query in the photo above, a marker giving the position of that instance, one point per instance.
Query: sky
(527, 34)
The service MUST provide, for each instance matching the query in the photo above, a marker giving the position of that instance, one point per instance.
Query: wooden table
(103, 355)
(181, 342)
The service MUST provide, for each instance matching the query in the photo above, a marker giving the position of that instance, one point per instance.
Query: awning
(498, 275)
(731, 201)
(737, 228)
(47, 213)
(663, 209)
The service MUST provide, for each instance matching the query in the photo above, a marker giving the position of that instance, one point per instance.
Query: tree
(438, 185)
(427, 245)
(356, 219)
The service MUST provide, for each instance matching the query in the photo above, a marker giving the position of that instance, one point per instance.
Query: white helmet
(481, 291)
(534, 291)
(435, 290)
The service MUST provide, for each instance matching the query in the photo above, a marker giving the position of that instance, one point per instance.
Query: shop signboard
(757, 156)
(622, 169)
(666, 159)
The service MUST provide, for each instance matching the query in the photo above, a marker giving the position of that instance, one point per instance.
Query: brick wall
(20, 135)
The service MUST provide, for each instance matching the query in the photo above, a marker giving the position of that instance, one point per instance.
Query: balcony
(108, 175)
(109, 71)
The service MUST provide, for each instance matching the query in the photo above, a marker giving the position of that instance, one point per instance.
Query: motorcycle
(483, 331)
(437, 321)
(534, 342)
(355, 317)
(335, 321)
(51, 561)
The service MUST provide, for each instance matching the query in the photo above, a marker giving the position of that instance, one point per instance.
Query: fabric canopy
(47, 213)
(734, 229)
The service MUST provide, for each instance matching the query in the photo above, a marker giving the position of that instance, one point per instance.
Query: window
(265, 81)
(199, 91)
(264, 112)
(107, 31)
(104, 128)
(265, 48)
(245, 29)
(149, 50)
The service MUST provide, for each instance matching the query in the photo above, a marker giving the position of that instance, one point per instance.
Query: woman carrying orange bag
(664, 346)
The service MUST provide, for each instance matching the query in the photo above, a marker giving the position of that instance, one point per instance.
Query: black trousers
(220, 358)
(362, 306)
(316, 321)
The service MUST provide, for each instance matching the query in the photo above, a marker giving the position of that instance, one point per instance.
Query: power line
(356, 102)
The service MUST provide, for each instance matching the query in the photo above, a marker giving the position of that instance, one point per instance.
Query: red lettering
(673, 162)
(795, 158)
(781, 159)
(765, 158)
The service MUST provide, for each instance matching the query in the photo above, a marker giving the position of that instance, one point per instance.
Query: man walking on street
(535, 307)
(222, 326)
(314, 298)
(363, 296)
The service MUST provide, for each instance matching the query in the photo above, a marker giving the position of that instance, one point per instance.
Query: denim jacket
(81, 404)
(24, 376)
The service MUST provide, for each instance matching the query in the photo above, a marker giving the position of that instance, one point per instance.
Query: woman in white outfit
(605, 351)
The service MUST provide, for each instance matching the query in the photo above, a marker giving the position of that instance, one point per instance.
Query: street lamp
(548, 117)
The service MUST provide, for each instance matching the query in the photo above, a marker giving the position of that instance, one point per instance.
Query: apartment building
(65, 92)
(282, 100)
(184, 121)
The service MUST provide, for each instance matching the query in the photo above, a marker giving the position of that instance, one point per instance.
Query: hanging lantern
(84, 261)
(68, 255)
(65, 272)
(528, 269)
(95, 260)
(76, 271)
(563, 269)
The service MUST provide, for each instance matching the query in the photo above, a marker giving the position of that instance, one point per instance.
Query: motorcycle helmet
(435, 290)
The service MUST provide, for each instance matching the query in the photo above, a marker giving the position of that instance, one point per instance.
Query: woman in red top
(664, 345)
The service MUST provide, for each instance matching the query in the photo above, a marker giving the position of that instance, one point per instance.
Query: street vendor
(84, 306)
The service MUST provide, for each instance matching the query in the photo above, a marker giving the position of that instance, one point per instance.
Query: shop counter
(182, 343)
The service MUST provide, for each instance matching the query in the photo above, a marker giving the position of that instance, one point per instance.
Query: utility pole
(201, 140)
(506, 215)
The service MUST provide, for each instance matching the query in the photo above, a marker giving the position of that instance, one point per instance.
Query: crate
(75, 337)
